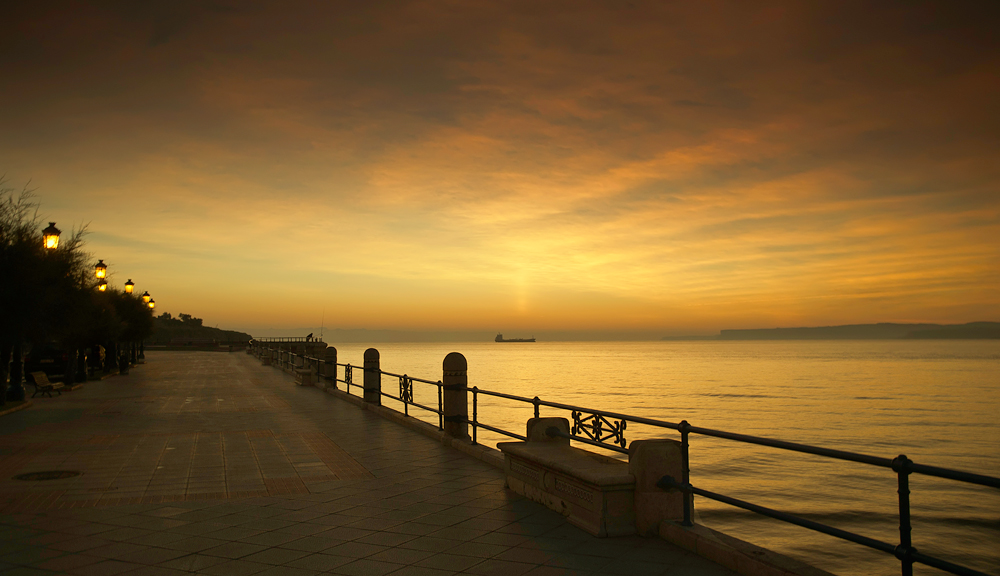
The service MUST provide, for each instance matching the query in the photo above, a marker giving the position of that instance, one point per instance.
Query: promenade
(209, 463)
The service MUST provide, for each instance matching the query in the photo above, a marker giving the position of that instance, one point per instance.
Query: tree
(50, 296)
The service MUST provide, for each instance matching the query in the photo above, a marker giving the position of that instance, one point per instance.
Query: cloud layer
(657, 167)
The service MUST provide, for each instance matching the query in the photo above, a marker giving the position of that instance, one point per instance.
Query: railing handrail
(760, 440)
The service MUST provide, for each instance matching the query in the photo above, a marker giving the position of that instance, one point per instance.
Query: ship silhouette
(500, 338)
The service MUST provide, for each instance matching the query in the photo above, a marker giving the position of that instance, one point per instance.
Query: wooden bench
(42, 384)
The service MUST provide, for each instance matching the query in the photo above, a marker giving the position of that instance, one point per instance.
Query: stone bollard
(648, 461)
(456, 398)
(330, 366)
(373, 378)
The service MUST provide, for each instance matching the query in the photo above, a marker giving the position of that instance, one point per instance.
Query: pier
(209, 462)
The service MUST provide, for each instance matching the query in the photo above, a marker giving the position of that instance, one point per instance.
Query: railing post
(685, 430)
(373, 378)
(440, 387)
(901, 465)
(456, 396)
(330, 369)
(475, 412)
(537, 402)
(404, 393)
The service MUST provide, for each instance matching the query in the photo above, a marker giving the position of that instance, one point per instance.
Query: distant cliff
(883, 331)
(186, 328)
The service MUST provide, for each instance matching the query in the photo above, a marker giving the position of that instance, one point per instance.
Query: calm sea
(938, 402)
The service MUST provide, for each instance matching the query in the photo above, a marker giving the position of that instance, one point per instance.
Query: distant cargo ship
(500, 338)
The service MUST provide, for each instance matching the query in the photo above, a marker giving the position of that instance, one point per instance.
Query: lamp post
(50, 237)
(147, 300)
(15, 391)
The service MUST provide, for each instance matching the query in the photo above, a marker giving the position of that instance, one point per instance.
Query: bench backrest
(40, 378)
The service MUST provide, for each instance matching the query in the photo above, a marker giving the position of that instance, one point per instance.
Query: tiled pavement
(209, 463)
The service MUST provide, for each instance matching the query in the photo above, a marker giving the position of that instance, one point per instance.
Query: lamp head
(50, 236)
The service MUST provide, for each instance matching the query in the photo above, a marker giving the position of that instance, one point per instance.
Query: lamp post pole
(15, 391)
(148, 300)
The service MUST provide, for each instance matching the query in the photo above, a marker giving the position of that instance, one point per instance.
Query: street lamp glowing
(102, 285)
(129, 286)
(146, 297)
(100, 270)
(152, 304)
(50, 236)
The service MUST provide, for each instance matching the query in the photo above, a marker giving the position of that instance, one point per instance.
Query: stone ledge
(737, 555)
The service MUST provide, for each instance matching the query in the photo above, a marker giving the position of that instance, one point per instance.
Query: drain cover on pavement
(47, 475)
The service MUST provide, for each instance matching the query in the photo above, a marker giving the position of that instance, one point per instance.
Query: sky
(636, 169)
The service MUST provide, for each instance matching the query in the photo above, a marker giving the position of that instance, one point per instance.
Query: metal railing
(406, 395)
(290, 360)
(607, 430)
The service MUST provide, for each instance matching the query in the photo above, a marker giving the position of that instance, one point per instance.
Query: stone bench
(304, 376)
(602, 495)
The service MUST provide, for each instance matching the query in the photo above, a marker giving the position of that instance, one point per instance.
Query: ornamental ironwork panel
(598, 428)
(406, 389)
(347, 374)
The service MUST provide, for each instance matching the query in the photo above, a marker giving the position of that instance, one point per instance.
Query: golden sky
(649, 168)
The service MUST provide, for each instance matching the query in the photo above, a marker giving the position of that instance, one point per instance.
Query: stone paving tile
(421, 571)
(210, 463)
(446, 561)
(193, 562)
(366, 567)
(496, 567)
(320, 562)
